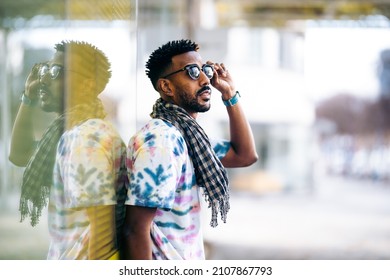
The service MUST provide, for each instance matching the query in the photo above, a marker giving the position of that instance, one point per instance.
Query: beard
(194, 106)
(50, 103)
(194, 102)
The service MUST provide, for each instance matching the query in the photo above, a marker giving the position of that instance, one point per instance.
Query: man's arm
(138, 244)
(243, 150)
(22, 136)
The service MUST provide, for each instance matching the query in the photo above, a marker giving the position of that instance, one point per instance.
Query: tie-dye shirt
(89, 164)
(161, 175)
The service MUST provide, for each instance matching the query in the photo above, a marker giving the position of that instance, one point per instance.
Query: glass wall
(28, 34)
(127, 31)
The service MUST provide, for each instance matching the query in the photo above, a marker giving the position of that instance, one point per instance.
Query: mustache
(44, 88)
(203, 89)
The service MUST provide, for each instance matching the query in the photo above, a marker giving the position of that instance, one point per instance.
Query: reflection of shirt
(162, 176)
(86, 171)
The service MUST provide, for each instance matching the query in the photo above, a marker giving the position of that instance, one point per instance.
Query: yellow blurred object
(258, 182)
(114, 256)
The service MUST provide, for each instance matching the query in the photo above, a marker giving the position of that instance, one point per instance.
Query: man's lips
(205, 92)
(43, 95)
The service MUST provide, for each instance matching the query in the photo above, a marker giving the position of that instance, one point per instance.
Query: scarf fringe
(222, 206)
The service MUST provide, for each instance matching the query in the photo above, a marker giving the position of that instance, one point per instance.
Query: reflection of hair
(161, 58)
(95, 63)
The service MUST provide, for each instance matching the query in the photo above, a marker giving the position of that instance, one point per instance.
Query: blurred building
(384, 73)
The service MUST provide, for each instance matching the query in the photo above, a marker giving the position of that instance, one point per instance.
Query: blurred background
(314, 77)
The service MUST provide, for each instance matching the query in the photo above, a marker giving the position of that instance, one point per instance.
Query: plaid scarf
(209, 172)
(38, 175)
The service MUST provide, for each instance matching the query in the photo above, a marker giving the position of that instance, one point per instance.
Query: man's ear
(164, 87)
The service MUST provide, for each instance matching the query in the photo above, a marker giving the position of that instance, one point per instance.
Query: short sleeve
(154, 161)
(220, 147)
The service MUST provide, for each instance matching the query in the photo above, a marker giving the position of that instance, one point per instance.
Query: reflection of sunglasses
(193, 71)
(54, 71)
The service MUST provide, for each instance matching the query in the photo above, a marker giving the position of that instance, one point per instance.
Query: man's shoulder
(159, 132)
(96, 125)
(94, 129)
(158, 126)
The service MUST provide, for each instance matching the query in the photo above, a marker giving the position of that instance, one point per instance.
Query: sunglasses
(53, 71)
(193, 71)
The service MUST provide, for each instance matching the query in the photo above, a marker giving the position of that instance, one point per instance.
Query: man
(78, 164)
(171, 163)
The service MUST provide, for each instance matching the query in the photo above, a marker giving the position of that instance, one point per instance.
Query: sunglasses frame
(49, 70)
(187, 67)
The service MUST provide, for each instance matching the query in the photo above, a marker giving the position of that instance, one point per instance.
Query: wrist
(27, 101)
(232, 101)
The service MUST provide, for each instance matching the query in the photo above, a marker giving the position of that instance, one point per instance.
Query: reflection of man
(80, 158)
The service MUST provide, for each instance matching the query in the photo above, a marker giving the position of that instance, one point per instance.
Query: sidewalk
(341, 219)
(21, 241)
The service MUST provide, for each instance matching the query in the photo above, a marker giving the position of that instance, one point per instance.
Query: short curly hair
(95, 63)
(161, 58)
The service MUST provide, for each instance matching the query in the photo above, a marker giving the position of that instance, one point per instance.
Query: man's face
(52, 86)
(63, 84)
(192, 95)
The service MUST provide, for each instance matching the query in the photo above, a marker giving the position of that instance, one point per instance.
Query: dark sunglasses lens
(194, 72)
(54, 71)
(43, 70)
(209, 71)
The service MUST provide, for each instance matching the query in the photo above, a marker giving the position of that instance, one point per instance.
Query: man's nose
(44, 78)
(204, 80)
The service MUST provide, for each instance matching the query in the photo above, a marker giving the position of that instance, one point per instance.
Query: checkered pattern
(209, 171)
